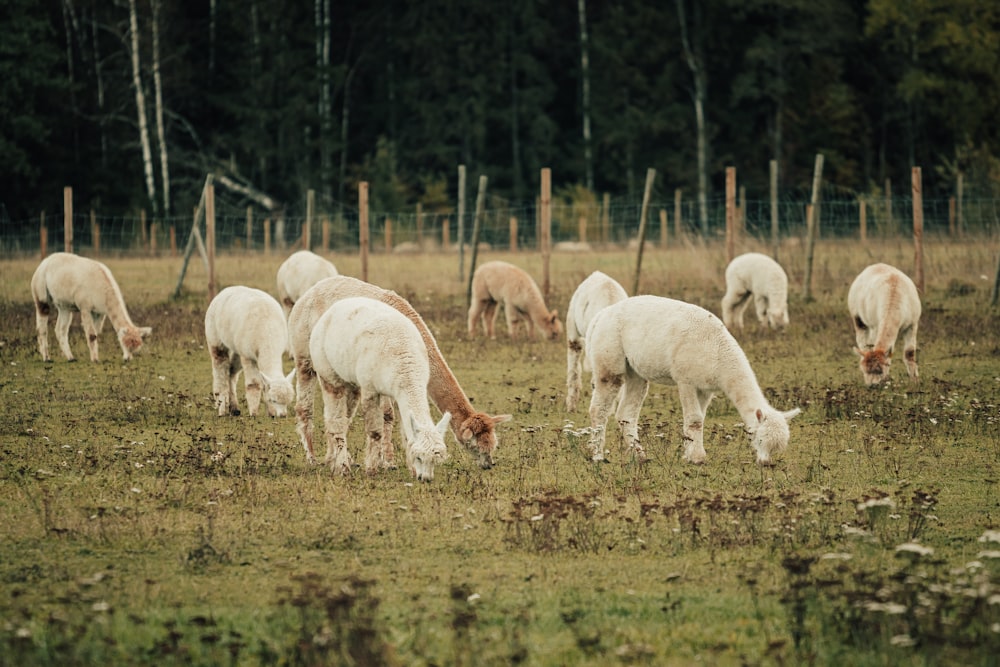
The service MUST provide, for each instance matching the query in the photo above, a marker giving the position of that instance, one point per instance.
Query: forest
(133, 102)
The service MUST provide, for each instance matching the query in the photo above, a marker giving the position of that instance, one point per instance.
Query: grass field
(140, 528)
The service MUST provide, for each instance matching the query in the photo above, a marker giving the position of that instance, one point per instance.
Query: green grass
(140, 528)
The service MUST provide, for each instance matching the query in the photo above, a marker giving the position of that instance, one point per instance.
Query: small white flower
(988, 554)
(914, 548)
(990, 536)
(101, 606)
(473, 598)
(135, 489)
(903, 640)
(538, 517)
(836, 556)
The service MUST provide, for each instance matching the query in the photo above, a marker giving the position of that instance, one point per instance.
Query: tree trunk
(696, 63)
(345, 123)
(99, 79)
(140, 105)
(515, 111)
(588, 156)
(161, 134)
(325, 106)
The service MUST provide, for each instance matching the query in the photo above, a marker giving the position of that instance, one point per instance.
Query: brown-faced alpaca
(474, 429)
(494, 283)
(298, 273)
(884, 305)
(69, 284)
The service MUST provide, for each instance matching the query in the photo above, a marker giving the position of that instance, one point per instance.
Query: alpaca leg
(693, 404)
(910, 353)
(475, 312)
(733, 304)
(388, 418)
(336, 421)
(373, 408)
(90, 331)
(254, 387)
(42, 312)
(63, 320)
(305, 389)
(512, 317)
(574, 373)
(631, 398)
(605, 389)
(490, 311)
(220, 379)
(235, 367)
(760, 303)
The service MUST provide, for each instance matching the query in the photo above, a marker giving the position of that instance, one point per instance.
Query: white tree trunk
(161, 135)
(588, 156)
(140, 105)
(696, 63)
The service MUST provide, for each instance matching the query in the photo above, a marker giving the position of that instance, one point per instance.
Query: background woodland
(132, 102)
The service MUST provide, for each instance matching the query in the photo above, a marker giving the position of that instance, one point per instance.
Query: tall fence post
(916, 186)
(664, 224)
(43, 235)
(363, 227)
(310, 212)
(643, 213)
(461, 222)
(474, 244)
(606, 218)
(959, 225)
(513, 234)
(863, 216)
(419, 224)
(210, 237)
(775, 242)
(678, 222)
(730, 213)
(68, 219)
(95, 233)
(812, 215)
(545, 224)
(267, 236)
(446, 234)
(249, 241)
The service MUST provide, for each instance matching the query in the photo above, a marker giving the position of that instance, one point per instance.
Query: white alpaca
(298, 273)
(245, 330)
(474, 429)
(647, 339)
(595, 293)
(499, 282)
(363, 348)
(72, 283)
(757, 276)
(884, 305)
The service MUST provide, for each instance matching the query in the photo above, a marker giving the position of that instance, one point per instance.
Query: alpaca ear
(789, 414)
(500, 419)
(145, 331)
(290, 376)
(467, 434)
(442, 426)
(267, 382)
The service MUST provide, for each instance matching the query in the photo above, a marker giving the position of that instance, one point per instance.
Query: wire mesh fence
(502, 225)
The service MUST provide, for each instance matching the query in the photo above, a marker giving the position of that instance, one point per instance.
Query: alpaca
(757, 276)
(72, 283)
(245, 330)
(475, 430)
(597, 291)
(298, 273)
(647, 339)
(495, 282)
(363, 348)
(884, 305)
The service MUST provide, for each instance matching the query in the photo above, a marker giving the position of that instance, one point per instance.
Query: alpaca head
(427, 449)
(278, 393)
(553, 327)
(777, 318)
(478, 433)
(131, 339)
(874, 365)
(769, 436)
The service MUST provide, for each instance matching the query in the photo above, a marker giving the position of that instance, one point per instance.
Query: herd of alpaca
(368, 346)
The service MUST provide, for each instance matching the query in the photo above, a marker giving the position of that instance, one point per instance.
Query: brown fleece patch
(613, 379)
(873, 362)
(132, 340)
(288, 302)
(43, 308)
(219, 354)
(911, 355)
(575, 346)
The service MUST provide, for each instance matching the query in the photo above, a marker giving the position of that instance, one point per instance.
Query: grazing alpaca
(71, 283)
(245, 330)
(647, 339)
(759, 277)
(475, 430)
(496, 282)
(884, 304)
(363, 348)
(298, 273)
(594, 294)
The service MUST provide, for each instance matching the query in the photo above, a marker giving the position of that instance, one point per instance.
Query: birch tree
(161, 135)
(588, 154)
(694, 57)
(140, 106)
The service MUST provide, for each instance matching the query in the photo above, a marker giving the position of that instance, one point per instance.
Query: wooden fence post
(310, 212)
(812, 214)
(142, 228)
(461, 222)
(154, 229)
(606, 219)
(664, 223)
(863, 214)
(67, 219)
(387, 236)
(43, 235)
(446, 234)
(95, 233)
(267, 236)
(210, 237)
(513, 234)
(959, 222)
(173, 241)
(476, 226)
(249, 241)
(325, 234)
(363, 227)
(775, 241)
(916, 185)
(545, 228)
(730, 213)
(420, 225)
(581, 226)
(643, 213)
(678, 224)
